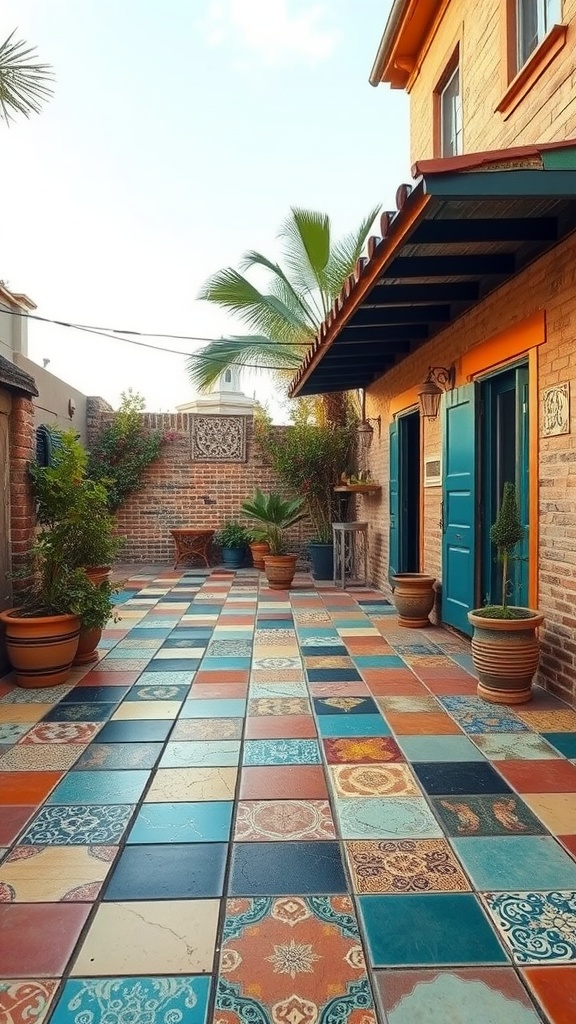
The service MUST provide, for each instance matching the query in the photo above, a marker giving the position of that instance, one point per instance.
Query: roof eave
(388, 41)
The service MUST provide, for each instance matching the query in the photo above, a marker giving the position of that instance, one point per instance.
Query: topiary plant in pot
(274, 516)
(505, 647)
(232, 540)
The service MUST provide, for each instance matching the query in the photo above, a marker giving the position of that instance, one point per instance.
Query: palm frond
(265, 314)
(207, 365)
(345, 252)
(257, 259)
(24, 81)
(306, 238)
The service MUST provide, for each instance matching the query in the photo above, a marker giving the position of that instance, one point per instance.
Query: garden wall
(178, 490)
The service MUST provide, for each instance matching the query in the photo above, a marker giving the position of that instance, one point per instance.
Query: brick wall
(547, 113)
(177, 492)
(550, 285)
(22, 507)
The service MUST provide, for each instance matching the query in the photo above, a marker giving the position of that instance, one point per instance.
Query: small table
(350, 547)
(192, 543)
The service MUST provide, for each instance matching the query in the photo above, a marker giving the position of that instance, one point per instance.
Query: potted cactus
(505, 647)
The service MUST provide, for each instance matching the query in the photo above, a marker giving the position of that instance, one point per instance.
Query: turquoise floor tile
(378, 661)
(212, 708)
(391, 817)
(537, 928)
(207, 822)
(516, 862)
(352, 725)
(275, 752)
(100, 787)
(201, 753)
(433, 929)
(439, 748)
(225, 664)
(154, 1000)
(565, 742)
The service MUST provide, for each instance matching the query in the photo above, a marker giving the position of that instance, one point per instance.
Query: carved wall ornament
(556, 410)
(218, 439)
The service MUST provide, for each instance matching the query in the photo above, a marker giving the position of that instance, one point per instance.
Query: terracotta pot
(98, 574)
(41, 650)
(280, 571)
(88, 646)
(259, 549)
(505, 653)
(413, 596)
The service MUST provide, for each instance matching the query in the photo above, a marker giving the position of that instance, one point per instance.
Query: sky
(179, 135)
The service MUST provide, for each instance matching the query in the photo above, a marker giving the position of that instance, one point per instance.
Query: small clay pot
(280, 571)
(259, 549)
(413, 596)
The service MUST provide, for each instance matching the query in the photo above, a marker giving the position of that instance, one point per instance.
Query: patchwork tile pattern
(283, 763)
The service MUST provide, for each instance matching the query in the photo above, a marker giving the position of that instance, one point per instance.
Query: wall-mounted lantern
(439, 380)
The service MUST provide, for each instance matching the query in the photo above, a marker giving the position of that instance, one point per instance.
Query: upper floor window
(534, 19)
(450, 109)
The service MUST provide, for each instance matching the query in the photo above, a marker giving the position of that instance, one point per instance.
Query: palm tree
(285, 319)
(24, 82)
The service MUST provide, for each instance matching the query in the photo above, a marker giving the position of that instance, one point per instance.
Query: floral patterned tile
(408, 704)
(272, 752)
(207, 729)
(467, 996)
(505, 747)
(63, 732)
(350, 780)
(119, 755)
(284, 675)
(501, 815)
(154, 1000)
(476, 716)
(406, 865)
(265, 820)
(306, 954)
(78, 825)
(24, 1001)
(34, 874)
(537, 927)
(362, 750)
(279, 706)
(392, 817)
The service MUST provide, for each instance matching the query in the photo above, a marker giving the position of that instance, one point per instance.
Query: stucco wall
(52, 404)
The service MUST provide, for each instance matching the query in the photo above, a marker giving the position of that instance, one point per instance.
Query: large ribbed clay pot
(506, 653)
(413, 596)
(280, 570)
(259, 549)
(88, 646)
(41, 650)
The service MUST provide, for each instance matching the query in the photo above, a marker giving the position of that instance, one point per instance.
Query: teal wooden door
(459, 507)
(394, 501)
(505, 458)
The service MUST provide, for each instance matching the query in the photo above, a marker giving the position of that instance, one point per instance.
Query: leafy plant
(231, 535)
(53, 587)
(308, 458)
(124, 450)
(274, 516)
(506, 533)
(24, 82)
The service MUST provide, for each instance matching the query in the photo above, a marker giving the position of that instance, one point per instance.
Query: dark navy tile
(333, 675)
(131, 731)
(327, 651)
(165, 691)
(345, 706)
(95, 694)
(431, 929)
(86, 712)
(465, 777)
(169, 871)
(278, 869)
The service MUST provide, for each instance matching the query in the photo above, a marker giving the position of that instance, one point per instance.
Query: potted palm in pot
(505, 647)
(273, 516)
(232, 540)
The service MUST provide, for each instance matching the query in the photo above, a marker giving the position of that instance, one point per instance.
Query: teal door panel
(394, 501)
(459, 507)
(522, 485)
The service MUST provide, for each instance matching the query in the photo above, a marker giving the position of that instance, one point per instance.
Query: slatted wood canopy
(465, 227)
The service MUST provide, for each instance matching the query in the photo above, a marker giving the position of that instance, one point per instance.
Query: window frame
(452, 68)
(544, 24)
(517, 81)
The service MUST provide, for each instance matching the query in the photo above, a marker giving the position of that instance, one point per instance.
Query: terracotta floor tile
(270, 727)
(13, 818)
(416, 723)
(27, 787)
(570, 843)
(283, 782)
(556, 810)
(339, 690)
(98, 678)
(237, 677)
(555, 990)
(392, 682)
(548, 776)
(32, 956)
(215, 691)
(165, 936)
(452, 687)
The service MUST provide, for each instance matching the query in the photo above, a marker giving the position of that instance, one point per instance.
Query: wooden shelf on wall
(358, 488)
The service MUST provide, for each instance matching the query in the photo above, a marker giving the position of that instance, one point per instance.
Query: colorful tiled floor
(282, 807)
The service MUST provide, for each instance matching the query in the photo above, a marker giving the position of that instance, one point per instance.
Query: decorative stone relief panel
(218, 439)
(556, 410)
